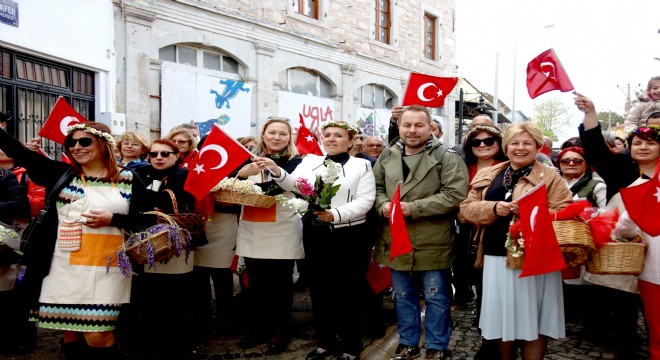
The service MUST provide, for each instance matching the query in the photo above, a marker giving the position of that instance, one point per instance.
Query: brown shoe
(405, 352)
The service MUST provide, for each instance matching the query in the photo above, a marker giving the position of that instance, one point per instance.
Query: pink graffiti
(317, 115)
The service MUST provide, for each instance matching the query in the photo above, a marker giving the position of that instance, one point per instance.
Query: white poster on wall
(373, 122)
(313, 109)
(188, 96)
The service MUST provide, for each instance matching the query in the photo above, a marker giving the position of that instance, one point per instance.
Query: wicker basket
(164, 249)
(575, 241)
(514, 263)
(618, 258)
(228, 196)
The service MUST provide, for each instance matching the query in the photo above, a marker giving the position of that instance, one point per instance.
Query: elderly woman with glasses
(133, 148)
(186, 142)
(577, 174)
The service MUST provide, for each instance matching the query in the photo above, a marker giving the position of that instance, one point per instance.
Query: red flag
(643, 204)
(545, 73)
(219, 156)
(542, 252)
(61, 117)
(429, 91)
(400, 240)
(305, 142)
(379, 276)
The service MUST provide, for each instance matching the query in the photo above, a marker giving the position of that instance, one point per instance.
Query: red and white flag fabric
(545, 73)
(400, 240)
(542, 252)
(643, 203)
(61, 117)
(305, 142)
(429, 91)
(379, 276)
(220, 155)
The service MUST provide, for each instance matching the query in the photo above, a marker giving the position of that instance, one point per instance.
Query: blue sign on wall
(9, 12)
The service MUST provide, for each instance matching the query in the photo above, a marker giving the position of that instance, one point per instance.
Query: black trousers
(223, 285)
(337, 260)
(270, 294)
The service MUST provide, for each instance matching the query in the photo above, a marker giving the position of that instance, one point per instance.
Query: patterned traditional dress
(79, 293)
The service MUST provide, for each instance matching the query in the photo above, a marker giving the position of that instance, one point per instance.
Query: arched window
(305, 81)
(375, 96)
(211, 59)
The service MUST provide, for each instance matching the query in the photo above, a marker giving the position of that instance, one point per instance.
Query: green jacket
(433, 205)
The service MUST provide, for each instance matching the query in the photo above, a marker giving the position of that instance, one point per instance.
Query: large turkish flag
(219, 156)
(429, 91)
(61, 117)
(545, 73)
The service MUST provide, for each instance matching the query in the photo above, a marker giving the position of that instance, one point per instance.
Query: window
(383, 21)
(429, 36)
(307, 7)
(305, 81)
(208, 59)
(375, 97)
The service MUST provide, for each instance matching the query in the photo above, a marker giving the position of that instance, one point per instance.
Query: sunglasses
(83, 141)
(574, 161)
(489, 141)
(163, 154)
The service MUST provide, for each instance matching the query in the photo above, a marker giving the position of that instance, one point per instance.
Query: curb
(383, 348)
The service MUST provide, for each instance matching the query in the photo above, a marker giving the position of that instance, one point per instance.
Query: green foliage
(610, 118)
(552, 115)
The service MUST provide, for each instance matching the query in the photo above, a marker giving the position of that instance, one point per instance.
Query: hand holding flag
(400, 240)
(545, 73)
(219, 156)
(429, 91)
(305, 142)
(61, 117)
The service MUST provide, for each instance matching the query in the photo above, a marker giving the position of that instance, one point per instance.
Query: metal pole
(496, 100)
(460, 116)
(515, 55)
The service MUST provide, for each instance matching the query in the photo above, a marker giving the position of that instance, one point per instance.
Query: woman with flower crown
(620, 171)
(270, 241)
(335, 238)
(528, 309)
(91, 202)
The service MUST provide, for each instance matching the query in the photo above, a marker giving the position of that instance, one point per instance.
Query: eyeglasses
(83, 141)
(181, 142)
(374, 145)
(163, 154)
(574, 161)
(489, 141)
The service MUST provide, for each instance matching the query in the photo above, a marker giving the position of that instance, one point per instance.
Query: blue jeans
(437, 324)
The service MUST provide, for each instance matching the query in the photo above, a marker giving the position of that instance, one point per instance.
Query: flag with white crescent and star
(61, 117)
(429, 91)
(220, 155)
(306, 143)
(546, 73)
(400, 243)
(643, 203)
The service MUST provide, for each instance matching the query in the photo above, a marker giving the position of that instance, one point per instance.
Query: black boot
(76, 350)
(104, 353)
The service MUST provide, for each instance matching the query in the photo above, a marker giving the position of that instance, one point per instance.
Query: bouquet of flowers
(6, 233)
(317, 197)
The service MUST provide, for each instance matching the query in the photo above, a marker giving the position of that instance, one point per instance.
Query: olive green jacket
(433, 200)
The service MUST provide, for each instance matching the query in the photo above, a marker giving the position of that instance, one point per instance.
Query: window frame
(302, 6)
(372, 88)
(199, 58)
(432, 30)
(378, 28)
(319, 78)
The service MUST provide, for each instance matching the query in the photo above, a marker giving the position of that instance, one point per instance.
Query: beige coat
(480, 212)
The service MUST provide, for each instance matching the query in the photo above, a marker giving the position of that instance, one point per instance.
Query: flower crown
(650, 131)
(98, 133)
(490, 129)
(346, 126)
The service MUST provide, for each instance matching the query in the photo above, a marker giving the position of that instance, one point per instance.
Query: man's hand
(386, 209)
(405, 209)
(33, 144)
(396, 113)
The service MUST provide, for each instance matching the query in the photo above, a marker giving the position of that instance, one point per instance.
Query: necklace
(511, 178)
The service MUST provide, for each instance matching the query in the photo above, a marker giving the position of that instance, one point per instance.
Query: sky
(601, 44)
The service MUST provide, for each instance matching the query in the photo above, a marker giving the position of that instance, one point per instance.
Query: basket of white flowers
(243, 192)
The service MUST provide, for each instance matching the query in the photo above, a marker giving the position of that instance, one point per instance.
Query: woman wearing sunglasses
(577, 174)
(91, 201)
(171, 282)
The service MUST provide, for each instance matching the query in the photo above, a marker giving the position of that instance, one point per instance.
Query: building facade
(237, 62)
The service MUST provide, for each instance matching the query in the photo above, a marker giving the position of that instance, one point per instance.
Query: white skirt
(520, 309)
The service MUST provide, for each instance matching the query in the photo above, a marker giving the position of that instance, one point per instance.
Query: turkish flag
(61, 117)
(429, 91)
(545, 73)
(379, 276)
(305, 142)
(400, 239)
(643, 204)
(219, 156)
(542, 252)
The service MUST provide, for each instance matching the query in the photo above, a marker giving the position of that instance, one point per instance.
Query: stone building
(155, 64)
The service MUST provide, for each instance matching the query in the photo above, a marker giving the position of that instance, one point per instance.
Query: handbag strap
(57, 185)
(174, 203)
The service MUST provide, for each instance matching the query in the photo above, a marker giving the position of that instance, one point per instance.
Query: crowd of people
(457, 203)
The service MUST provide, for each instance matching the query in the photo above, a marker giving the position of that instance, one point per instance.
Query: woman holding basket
(90, 203)
(270, 241)
(491, 204)
(336, 240)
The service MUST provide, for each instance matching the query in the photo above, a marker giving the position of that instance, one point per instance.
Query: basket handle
(174, 203)
(167, 218)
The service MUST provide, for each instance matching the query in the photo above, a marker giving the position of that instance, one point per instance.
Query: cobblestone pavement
(465, 341)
